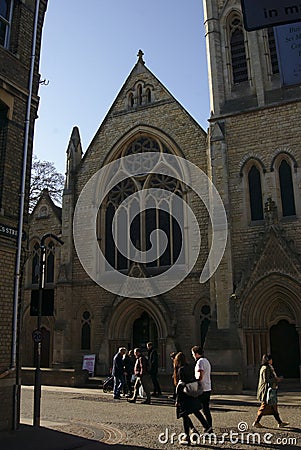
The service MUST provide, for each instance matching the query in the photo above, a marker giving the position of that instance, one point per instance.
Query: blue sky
(89, 49)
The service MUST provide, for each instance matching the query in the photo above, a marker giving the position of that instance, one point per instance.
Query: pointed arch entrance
(285, 349)
(144, 330)
(134, 322)
(270, 319)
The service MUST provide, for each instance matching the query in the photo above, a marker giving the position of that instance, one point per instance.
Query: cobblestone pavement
(96, 417)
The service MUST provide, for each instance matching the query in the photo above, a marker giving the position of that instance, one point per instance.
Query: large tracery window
(157, 214)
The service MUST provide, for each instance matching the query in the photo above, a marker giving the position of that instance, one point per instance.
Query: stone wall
(14, 75)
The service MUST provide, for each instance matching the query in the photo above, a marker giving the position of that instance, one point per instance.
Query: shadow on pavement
(30, 438)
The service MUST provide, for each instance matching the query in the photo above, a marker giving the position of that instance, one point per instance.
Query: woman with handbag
(267, 392)
(185, 404)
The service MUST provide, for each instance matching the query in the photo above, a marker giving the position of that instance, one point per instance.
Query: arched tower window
(255, 194)
(237, 49)
(286, 189)
(139, 94)
(131, 100)
(273, 50)
(148, 95)
(86, 331)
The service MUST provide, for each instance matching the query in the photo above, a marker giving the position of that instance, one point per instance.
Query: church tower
(255, 157)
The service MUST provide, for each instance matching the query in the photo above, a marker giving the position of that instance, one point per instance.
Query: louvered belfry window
(238, 50)
(273, 51)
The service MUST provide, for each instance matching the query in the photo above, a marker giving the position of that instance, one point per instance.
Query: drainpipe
(21, 216)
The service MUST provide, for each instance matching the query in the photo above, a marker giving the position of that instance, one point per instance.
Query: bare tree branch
(45, 176)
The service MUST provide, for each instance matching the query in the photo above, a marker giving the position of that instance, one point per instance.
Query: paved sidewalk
(88, 419)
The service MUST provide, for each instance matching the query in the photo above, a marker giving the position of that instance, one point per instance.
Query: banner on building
(288, 42)
(266, 13)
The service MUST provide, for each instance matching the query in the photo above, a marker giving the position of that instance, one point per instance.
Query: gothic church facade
(251, 152)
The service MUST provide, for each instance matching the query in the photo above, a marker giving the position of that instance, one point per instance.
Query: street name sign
(267, 13)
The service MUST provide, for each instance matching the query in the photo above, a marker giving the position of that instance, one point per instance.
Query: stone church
(251, 152)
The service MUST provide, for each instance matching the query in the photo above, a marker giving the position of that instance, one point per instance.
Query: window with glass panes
(5, 21)
(157, 215)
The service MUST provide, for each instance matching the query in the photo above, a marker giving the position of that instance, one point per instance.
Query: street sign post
(267, 13)
(37, 336)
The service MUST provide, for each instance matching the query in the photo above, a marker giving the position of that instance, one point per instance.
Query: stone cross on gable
(140, 57)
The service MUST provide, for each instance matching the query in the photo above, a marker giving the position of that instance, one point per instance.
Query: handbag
(193, 389)
(133, 378)
(271, 396)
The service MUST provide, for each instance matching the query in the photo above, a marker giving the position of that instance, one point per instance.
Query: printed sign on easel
(89, 364)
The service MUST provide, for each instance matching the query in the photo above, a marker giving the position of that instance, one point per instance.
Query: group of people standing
(132, 371)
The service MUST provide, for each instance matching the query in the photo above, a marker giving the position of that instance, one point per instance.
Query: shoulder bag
(193, 389)
(271, 396)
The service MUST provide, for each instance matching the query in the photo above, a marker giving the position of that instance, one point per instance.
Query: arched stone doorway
(285, 349)
(134, 322)
(270, 317)
(144, 330)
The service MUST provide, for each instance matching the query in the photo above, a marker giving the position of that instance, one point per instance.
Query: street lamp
(37, 334)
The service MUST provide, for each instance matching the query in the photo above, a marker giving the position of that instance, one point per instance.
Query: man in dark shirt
(118, 372)
(153, 368)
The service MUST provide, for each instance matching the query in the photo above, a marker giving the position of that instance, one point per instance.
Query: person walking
(129, 371)
(203, 373)
(118, 372)
(268, 380)
(172, 356)
(186, 405)
(153, 368)
(142, 378)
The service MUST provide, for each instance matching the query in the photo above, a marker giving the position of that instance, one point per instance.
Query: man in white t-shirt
(202, 372)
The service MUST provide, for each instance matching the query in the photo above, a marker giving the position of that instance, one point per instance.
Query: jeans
(205, 398)
(118, 384)
(157, 389)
